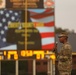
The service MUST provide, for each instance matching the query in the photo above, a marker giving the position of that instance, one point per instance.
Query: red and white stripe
(46, 31)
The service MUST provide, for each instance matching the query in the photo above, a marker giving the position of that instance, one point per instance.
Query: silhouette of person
(19, 40)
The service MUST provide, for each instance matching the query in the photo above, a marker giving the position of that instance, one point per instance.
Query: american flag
(7, 17)
(45, 16)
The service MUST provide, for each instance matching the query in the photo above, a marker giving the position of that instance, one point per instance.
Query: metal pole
(34, 67)
(16, 67)
(51, 67)
(48, 67)
(0, 67)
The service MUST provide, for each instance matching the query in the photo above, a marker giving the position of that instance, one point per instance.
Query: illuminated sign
(21, 55)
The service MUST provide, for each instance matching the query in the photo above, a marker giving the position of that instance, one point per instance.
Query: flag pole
(16, 67)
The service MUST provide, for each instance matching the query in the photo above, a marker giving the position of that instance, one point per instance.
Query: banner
(27, 25)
